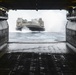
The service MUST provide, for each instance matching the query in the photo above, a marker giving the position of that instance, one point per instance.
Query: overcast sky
(54, 20)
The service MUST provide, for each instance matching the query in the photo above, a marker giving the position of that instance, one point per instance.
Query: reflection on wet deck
(38, 59)
(39, 48)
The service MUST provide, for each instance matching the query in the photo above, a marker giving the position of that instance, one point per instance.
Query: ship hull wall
(4, 32)
(71, 34)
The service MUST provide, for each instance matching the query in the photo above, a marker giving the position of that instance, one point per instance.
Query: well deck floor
(38, 59)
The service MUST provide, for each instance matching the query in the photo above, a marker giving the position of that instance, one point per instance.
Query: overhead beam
(37, 4)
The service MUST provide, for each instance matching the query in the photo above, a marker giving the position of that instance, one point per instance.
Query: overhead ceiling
(37, 4)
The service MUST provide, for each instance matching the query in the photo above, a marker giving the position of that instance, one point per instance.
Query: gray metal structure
(71, 29)
(4, 28)
(55, 59)
(41, 4)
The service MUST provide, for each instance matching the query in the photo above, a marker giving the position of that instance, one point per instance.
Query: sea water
(21, 36)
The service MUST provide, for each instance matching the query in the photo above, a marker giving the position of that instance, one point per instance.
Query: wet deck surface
(38, 59)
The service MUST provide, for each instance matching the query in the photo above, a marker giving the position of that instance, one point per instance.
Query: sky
(54, 20)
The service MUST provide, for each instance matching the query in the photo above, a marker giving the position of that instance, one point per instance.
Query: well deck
(38, 59)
